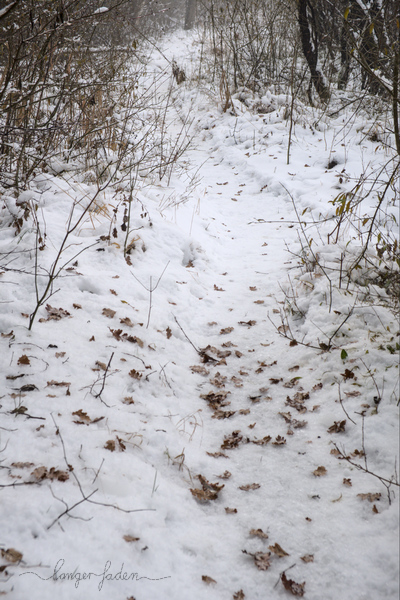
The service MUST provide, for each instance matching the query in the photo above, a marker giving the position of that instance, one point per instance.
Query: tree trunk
(309, 41)
(190, 14)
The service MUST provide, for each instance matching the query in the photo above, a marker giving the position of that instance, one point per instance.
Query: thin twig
(342, 405)
(190, 341)
(104, 380)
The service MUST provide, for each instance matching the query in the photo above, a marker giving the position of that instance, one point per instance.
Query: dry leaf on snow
(41, 473)
(217, 454)
(226, 330)
(338, 427)
(279, 441)
(249, 486)
(232, 441)
(261, 559)
(223, 414)
(110, 445)
(370, 497)
(126, 321)
(297, 589)
(23, 360)
(208, 580)
(259, 533)
(278, 550)
(135, 374)
(108, 312)
(230, 511)
(11, 555)
(55, 314)
(307, 558)
(131, 538)
(199, 369)
(53, 383)
(320, 471)
(239, 595)
(263, 442)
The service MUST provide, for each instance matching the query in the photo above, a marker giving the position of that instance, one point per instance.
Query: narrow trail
(206, 446)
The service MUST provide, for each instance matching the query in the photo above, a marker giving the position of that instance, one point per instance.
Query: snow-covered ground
(162, 433)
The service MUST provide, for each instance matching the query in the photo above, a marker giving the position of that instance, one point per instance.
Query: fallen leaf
(11, 555)
(239, 595)
(8, 335)
(232, 441)
(217, 454)
(101, 365)
(249, 486)
(60, 354)
(225, 475)
(248, 323)
(297, 589)
(130, 538)
(261, 559)
(84, 417)
(204, 495)
(352, 394)
(370, 497)
(28, 387)
(199, 369)
(307, 558)
(216, 400)
(128, 400)
(135, 374)
(320, 471)
(259, 533)
(77, 306)
(347, 482)
(23, 360)
(121, 444)
(53, 383)
(41, 473)
(110, 445)
(126, 321)
(348, 375)
(168, 332)
(279, 441)
(226, 330)
(223, 414)
(208, 580)
(230, 511)
(237, 381)
(21, 465)
(217, 289)
(55, 314)
(337, 427)
(278, 550)
(263, 442)
(253, 288)
(108, 312)
(374, 509)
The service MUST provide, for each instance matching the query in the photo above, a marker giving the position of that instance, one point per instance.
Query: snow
(217, 247)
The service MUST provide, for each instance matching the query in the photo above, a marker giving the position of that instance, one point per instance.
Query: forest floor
(219, 418)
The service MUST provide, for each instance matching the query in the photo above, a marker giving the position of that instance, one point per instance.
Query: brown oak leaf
(297, 589)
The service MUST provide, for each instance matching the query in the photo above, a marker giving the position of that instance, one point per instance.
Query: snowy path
(168, 413)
